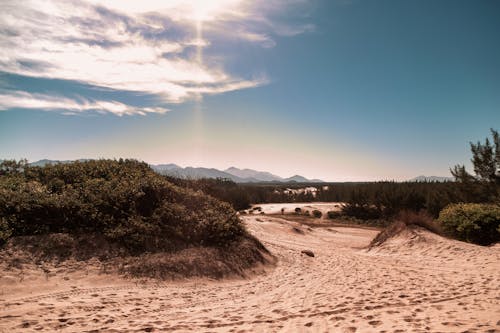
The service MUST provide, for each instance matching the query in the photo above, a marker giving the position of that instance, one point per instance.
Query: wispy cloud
(24, 100)
(146, 46)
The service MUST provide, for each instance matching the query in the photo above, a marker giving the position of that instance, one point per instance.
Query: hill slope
(124, 206)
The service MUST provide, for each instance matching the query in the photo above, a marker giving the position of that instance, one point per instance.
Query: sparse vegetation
(407, 219)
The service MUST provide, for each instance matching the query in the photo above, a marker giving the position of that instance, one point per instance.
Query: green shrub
(363, 212)
(475, 223)
(317, 213)
(125, 201)
(333, 214)
(5, 231)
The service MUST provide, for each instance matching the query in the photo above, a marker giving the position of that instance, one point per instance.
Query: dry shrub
(199, 261)
(405, 220)
(234, 259)
(60, 247)
(392, 230)
(421, 219)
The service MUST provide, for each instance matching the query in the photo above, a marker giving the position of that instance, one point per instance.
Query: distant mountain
(258, 175)
(163, 167)
(44, 162)
(297, 179)
(234, 174)
(431, 179)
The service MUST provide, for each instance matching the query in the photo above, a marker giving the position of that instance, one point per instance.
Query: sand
(415, 282)
(289, 208)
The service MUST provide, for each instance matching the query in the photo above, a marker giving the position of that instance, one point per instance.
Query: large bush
(475, 223)
(123, 200)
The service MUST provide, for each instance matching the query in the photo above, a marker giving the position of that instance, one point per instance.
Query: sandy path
(408, 285)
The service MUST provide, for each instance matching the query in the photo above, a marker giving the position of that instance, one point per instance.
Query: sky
(341, 90)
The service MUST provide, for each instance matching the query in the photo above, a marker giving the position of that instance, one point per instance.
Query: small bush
(298, 210)
(5, 231)
(475, 223)
(361, 211)
(317, 213)
(421, 219)
(332, 214)
(404, 220)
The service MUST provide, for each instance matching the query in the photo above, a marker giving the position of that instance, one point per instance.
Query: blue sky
(338, 90)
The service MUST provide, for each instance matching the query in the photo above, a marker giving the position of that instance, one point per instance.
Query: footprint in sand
(375, 323)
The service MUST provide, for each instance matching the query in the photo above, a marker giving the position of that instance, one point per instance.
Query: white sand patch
(289, 208)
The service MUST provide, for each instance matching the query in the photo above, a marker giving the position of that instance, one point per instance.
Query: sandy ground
(417, 282)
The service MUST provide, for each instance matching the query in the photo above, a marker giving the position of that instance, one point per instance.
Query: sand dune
(415, 282)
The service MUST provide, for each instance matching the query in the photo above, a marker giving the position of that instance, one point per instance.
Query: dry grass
(235, 259)
(211, 262)
(405, 220)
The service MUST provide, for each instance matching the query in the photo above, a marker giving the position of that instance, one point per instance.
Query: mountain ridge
(235, 174)
(423, 178)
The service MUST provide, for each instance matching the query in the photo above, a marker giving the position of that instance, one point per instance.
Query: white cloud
(24, 100)
(146, 46)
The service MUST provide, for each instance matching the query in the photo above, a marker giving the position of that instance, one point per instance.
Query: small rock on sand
(308, 252)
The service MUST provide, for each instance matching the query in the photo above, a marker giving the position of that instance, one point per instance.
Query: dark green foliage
(332, 214)
(317, 213)
(5, 230)
(486, 161)
(475, 223)
(363, 200)
(222, 189)
(123, 200)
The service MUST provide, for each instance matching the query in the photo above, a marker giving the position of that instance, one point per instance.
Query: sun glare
(210, 10)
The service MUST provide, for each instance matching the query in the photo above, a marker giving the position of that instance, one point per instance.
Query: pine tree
(486, 162)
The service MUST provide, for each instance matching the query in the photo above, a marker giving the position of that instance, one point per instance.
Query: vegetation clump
(471, 222)
(317, 213)
(333, 214)
(404, 220)
(124, 200)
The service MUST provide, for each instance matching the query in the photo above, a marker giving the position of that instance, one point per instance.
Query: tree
(486, 161)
